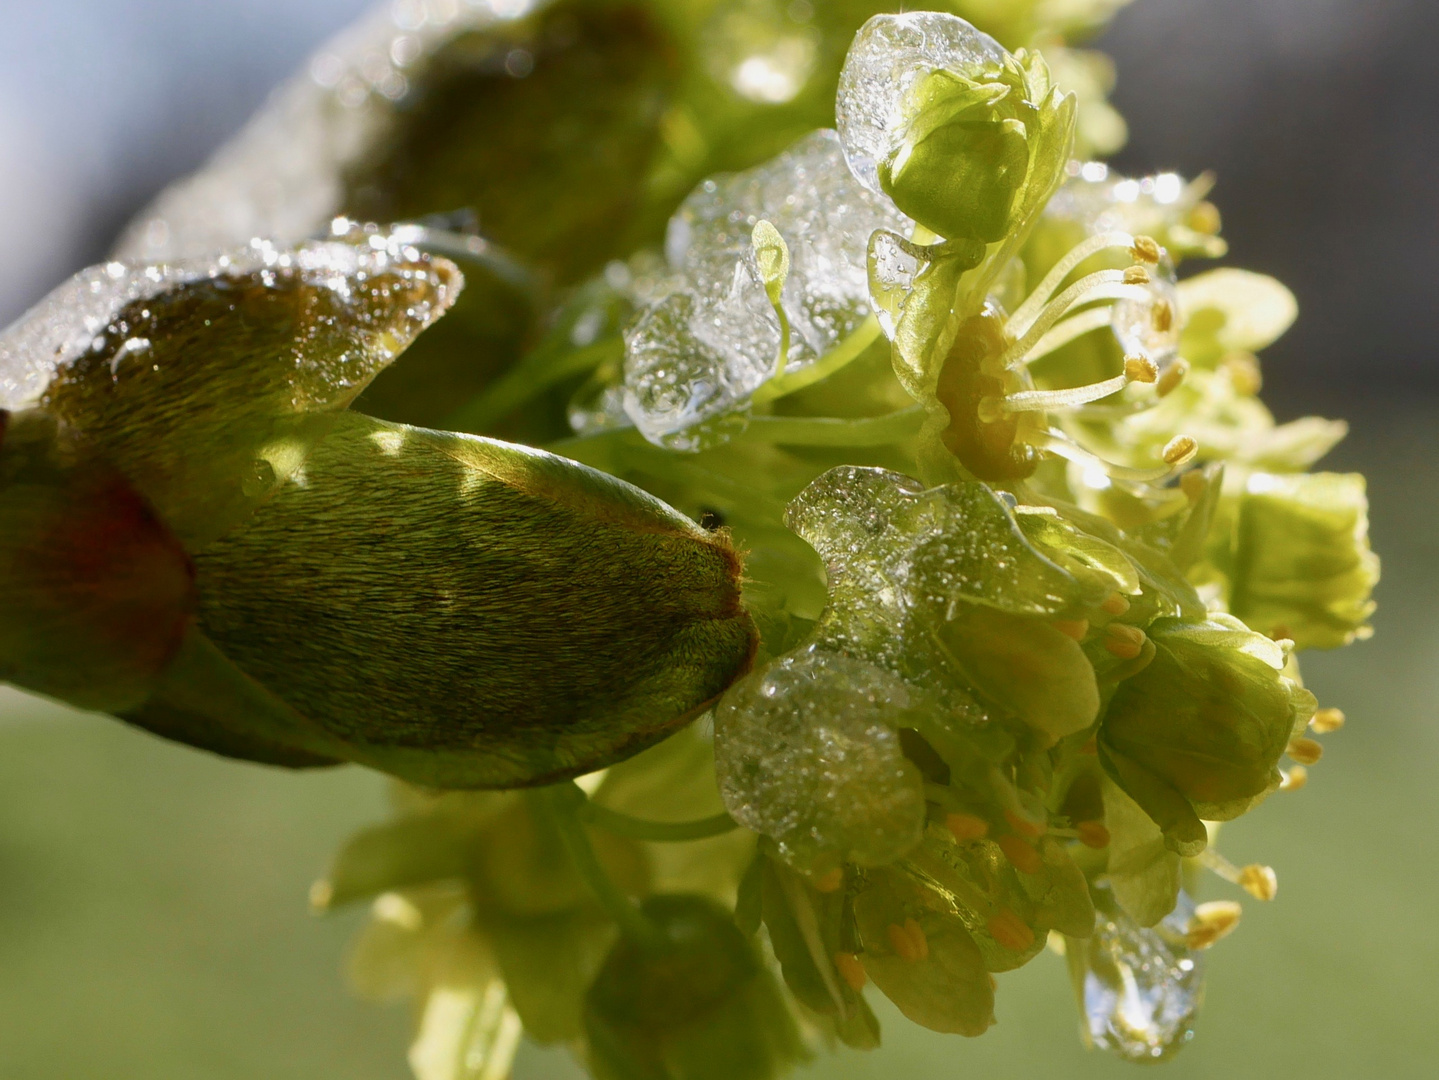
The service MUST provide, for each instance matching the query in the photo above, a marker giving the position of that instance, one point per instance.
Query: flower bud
(694, 1004)
(1200, 730)
(1302, 563)
(462, 612)
(978, 145)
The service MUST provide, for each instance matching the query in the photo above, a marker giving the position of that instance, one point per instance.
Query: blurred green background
(153, 921)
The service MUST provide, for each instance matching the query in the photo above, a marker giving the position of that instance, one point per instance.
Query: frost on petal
(283, 176)
(890, 54)
(703, 350)
(204, 381)
(1141, 988)
(808, 753)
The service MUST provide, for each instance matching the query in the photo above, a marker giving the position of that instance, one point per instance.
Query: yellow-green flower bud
(980, 148)
(1301, 564)
(1200, 730)
(696, 1003)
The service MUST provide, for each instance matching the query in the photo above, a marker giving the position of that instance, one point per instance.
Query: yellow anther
(1171, 377)
(1259, 881)
(1074, 628)
(966, 827)
(1305, 751)
(1294, 779)
(1204, 218)
(1020, 853)
(1136, 275)
(850, 970)
(1012, 932)
(1280, 632)
(1161, 316)
(1146, 250)
(908, 941)
(1123, 641)
(1115, 604)
(1212, 921)
(829, 881)
(1179, 450)
(1244, 373)
(1326, 720)
(1092, 834)
(1024, 826)
(1055, 943)
(1139, 368)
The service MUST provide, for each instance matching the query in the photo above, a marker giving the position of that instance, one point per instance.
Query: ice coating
(896, 553)
(73, 318)
(207, 385)
(1142, 988)
(889, 55)
(808, 753)
(702, 350)
(1151, 327)
(282, 176)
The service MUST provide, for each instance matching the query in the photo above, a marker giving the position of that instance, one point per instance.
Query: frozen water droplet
(808, 753)
(889, 55)
(260, 479)
(894, 263)
(1142, 987)
(703, 349)
(1151, 326)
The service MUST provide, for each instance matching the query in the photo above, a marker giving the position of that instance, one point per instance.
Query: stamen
(1026, 311)
(1124, 641)
(1204, 218)
(1179, 450)
(830, 881)
(1161, 316)
(1024, 826)
(1212, 921)
(1294, 779)
(1065, 331)
(1050, 400)
(1136, 275)
(1244, 373)
(966, 827)
(1326, 720)
(1020, 854)
(1171, 377)
(1258, 880)
(1010, 931)
(908, 941)
(1101, 285)
(1057, 444)
(1192, 484)
(1115, 604)
(1092, 834)
(1146, 250)
(1305, 751)
(1072, 628)
(1139, 368)
(850, 970)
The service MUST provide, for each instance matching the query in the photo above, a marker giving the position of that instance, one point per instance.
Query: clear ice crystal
(808, 753)
(698, 353)
(282, 176)
(1151, 326)
(1142, 988)
(72, 319)
(889, 55)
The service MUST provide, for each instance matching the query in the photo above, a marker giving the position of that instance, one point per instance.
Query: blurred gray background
(152, 898)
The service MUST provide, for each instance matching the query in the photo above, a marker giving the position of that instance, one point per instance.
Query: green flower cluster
(1025, 561)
